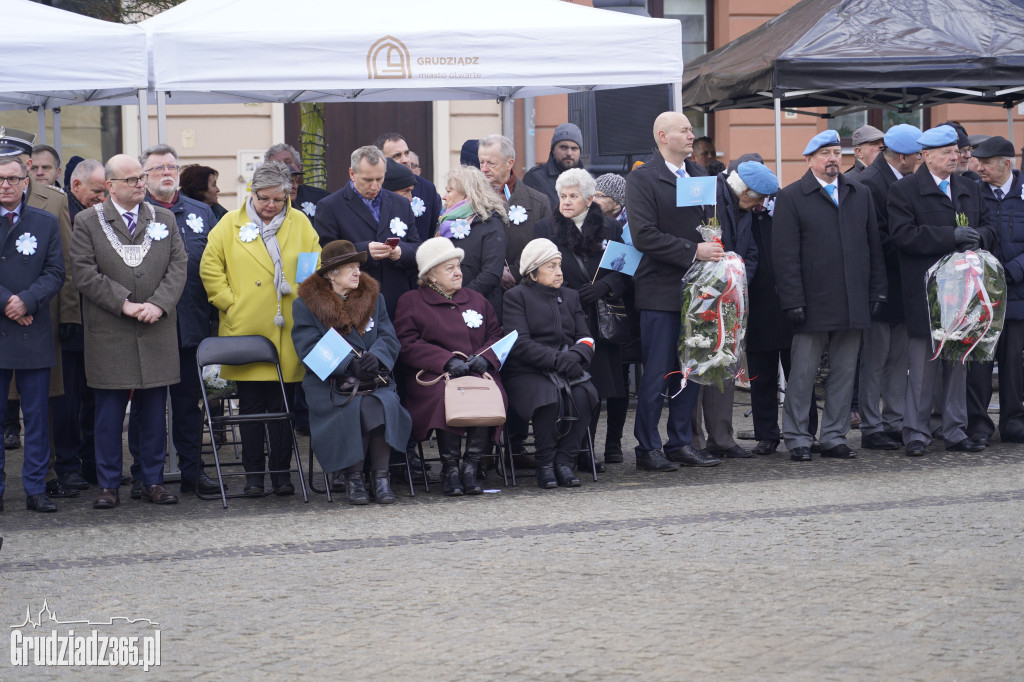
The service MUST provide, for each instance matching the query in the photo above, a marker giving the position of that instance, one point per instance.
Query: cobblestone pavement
(879, 568)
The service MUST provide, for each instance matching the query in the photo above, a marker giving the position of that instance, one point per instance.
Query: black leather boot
(449, 445)
(546, 476)
(355, 486)
(382, 492)
(477, 443)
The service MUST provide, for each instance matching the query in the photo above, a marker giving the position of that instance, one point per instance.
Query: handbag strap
(351, 395)
(446, 376)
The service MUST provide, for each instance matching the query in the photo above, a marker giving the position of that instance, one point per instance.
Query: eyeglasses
(268, 200)
(12, 180)
(163, 169)
(133, 181)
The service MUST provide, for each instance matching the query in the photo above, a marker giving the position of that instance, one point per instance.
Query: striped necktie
(129, 219)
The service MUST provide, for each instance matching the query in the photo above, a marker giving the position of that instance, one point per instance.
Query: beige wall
(455, 122)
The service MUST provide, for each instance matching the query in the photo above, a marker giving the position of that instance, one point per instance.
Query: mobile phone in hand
(391, 242)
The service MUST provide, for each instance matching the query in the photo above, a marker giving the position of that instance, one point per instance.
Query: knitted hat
(469, 154)
(614, 186)
(434, 252)
(568, 131)
(398, 177)
(535, 254)
(337, 253)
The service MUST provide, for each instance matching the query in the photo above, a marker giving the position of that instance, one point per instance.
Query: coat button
(559, 299)
(452, 307)
(258, 283)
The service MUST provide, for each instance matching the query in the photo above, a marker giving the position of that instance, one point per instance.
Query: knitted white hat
(434, 252)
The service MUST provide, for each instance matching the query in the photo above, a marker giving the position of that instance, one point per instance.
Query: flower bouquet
(216, 386)
(714, 315)
(966, 295)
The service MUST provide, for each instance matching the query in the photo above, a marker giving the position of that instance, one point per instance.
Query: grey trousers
(883, 373)
(805, 355)
(922, 379)
(716, 407)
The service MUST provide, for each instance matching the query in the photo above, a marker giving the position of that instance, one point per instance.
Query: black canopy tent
(862, 54)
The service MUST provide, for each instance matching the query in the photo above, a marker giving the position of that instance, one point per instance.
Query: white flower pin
(398, 228)
(460, 229)
(369, 325)
(309, 208)
(473, 318)
(26, 244)
(195, 223)
(418, 207)
(248, 232)
(517, 214)
(157, 231)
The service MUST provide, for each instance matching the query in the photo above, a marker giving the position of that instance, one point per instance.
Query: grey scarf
(269, 233)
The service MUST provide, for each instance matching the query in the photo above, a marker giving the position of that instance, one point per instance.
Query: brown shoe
(107, 499)
(157, 494)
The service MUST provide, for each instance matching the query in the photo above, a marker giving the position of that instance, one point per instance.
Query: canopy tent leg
(529, 123)
(40, 125)
(677, 96)
(1009, 124)
(143, 119)
(508, 118)
(161, 117)
(778, 139)
(56, 131)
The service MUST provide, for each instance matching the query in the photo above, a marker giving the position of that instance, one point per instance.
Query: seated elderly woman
(249, 268)
(581, 232)
(474, 219)
(355, 414)
(434, 323)
(546, 372)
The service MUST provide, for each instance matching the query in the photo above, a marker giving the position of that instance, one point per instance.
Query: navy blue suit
(344, 215)
(34, 273)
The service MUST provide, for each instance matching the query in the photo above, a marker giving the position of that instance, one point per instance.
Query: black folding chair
(245, 350)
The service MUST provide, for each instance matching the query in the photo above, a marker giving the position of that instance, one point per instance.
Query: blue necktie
(998, 192)
(681, 173)
(944, 186)
(129, 219)
(831, 189)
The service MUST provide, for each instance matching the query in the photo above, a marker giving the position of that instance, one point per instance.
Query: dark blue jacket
(736, 230)
(35, 278)
(344, 215)
(1007, 218)
(426, 222)
(194, 309)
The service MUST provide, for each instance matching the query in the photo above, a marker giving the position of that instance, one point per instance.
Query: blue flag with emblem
(620, 258)
(696, 191)
(327, 354)
(503, 346)
(306, 265)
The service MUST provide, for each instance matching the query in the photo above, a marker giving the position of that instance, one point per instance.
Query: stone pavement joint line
(338, 545)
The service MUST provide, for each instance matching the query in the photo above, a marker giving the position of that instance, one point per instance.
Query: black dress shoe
(692, 457)
(565, 477)
(735, 452)
(125, 480)
(73, 480)
(800, 454)
(1012, 437)
(136, 491)
(966, 445)
(816, 445)
(1, 504)
(878, 441)
(613, 453)
(654, 460)
(981, 439)
(12, 441)
(766, 447)
(107, 499)
(40, 503)
(55, 488)
(284, 489)
(915, 448)
(895, 435)
(841, 451)
(202, 484)
(157, 494)
(546, 477)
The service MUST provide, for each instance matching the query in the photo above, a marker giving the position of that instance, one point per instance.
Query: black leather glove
(589, 293)
(966, 237)
(877, 311)
(456, 367)
(478, 364)
(567, 363)
(68, 332)
(796, 316)
(366, 366)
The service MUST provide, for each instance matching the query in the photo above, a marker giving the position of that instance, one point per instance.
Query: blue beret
(933, 138)
(758, 177)
(826, 138)
(903, 139)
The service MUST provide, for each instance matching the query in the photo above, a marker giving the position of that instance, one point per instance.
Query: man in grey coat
(129, 264)
(831, 279)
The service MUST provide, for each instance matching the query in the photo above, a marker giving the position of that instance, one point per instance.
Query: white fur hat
(434, 252)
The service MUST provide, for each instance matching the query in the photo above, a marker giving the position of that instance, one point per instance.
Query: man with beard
(831, 278)
(566, 145)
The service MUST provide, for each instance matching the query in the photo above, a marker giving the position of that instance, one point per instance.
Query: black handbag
(350, 387)
(613, 321)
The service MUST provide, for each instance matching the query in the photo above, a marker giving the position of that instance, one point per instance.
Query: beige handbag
(470, 400)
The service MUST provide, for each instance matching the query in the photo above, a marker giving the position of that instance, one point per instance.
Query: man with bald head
(129, 264)
(667, 236)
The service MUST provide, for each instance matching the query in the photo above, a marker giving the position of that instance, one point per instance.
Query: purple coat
(431, 328)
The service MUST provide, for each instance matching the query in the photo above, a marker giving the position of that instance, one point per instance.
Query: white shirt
(938, 182)
(899, 176)
(824, 184)
(121, 210)
(1005, 187)
(678, 168)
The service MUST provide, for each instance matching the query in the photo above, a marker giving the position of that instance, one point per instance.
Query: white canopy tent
(50, 61)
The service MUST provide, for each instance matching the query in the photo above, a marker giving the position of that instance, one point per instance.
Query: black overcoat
(878, 177)
(484, 261)
(736, 233)
(921, 220)
(767, 327)
(517, 236)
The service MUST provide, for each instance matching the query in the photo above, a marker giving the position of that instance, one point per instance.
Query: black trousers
(763, 367)
(558, 442)
(265, 396)
(1011, 388)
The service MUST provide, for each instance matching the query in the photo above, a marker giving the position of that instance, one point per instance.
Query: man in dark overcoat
(923, 208)
(366, 214)
(667, 236)
(426, 202)
(830, 276)
(883, 354)
(31, 274)
(129, 264)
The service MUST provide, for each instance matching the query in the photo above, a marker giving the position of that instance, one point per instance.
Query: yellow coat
(239, 281)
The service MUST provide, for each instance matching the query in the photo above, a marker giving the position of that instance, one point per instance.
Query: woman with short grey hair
(577, 177)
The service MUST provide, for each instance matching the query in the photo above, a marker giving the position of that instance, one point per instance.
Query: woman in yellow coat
(249, 270)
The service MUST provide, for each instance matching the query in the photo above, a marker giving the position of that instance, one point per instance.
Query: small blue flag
(626, 236)
(327, 354)
(508, 195)
(503, 346)
(620, 258)
(307, 265)
(696, 191)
